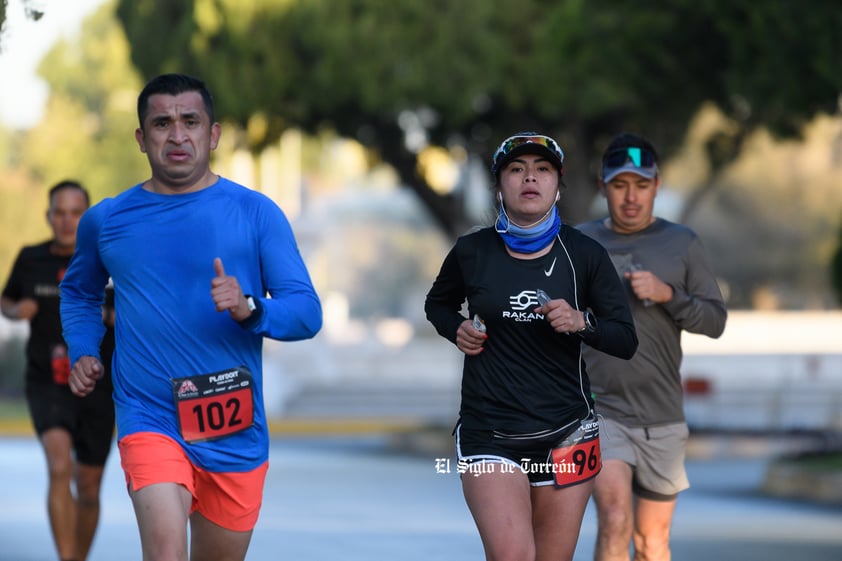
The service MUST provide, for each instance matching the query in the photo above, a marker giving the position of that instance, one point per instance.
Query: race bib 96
(578, 458)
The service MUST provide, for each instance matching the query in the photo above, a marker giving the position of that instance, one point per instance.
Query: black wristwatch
(255, 311)
(590, 322)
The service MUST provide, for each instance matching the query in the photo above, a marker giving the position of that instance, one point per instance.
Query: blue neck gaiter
(528, 240)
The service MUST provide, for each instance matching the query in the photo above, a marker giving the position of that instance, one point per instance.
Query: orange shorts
(230, 499)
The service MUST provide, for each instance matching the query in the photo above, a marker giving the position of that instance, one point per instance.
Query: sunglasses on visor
(521, 139)
(640, 157)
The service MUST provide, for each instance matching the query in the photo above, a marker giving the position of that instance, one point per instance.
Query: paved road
(352, 499)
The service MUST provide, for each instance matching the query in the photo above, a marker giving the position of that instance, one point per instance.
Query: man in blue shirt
(203, 270)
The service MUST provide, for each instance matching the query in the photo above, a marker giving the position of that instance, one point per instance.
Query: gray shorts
(656, 455)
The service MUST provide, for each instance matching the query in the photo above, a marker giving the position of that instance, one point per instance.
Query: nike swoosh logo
(549, 271)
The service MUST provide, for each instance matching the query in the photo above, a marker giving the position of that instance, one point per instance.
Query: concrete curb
(22, 427)
(787, 480)
(16, 426)
(343, 426)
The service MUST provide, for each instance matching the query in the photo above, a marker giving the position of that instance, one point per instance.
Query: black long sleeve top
(529, 378)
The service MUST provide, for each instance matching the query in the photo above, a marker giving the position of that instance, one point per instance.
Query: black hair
(68, 184)
(173, 84)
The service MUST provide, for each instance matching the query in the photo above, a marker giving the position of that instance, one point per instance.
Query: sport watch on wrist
(255, 312)
(590, 322)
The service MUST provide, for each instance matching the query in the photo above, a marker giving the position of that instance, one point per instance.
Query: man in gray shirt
(640, 402)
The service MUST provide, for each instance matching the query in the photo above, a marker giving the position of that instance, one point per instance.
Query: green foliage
(474, 71)
(784, 59)
(310, 61)
(86, 132)
(460, 73)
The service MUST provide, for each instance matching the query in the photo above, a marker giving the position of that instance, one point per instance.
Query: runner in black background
(75, 433)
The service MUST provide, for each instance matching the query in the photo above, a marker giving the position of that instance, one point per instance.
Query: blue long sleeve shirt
(159, 251)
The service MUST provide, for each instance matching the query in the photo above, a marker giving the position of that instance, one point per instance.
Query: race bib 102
(211, 406)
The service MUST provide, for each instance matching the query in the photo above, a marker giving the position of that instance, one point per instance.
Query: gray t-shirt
(646, 390)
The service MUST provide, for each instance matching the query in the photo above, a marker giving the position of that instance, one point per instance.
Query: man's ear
(141, 142)
(216, 132)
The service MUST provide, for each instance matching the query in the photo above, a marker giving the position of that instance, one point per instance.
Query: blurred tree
(30, 9)
(836, 270)
(402, 75)
(85, 133)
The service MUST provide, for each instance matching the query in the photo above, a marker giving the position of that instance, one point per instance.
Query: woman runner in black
(537, 290)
